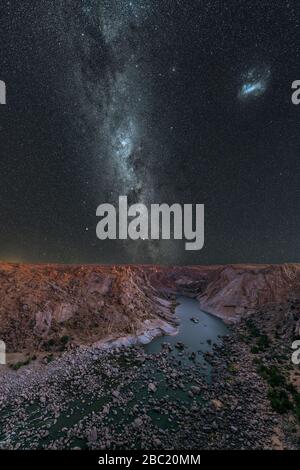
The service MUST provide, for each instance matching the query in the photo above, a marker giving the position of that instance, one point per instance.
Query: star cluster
(161, 101)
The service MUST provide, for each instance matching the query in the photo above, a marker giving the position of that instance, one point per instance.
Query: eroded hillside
(47, 307)
(51, 307)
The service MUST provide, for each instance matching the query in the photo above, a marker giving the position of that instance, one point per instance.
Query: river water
(198, 331)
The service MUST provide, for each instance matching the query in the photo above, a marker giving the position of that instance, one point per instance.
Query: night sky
(162, 101)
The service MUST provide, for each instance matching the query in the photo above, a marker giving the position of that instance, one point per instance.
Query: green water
(198, 331)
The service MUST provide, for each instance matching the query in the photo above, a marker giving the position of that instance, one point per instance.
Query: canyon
(54, 307)
(222, 379)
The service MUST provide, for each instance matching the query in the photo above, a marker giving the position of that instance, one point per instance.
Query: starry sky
(161, 101)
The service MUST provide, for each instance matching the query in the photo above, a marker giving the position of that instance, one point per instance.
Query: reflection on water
(173, 377)
(198, 331)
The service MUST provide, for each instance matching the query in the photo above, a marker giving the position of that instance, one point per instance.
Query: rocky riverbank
(83, 379)
(127, 399)
(48, 308)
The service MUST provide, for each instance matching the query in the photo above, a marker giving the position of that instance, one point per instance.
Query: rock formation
(51, 307)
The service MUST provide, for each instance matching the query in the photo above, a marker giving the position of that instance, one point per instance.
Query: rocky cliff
(48, 307)
(234, 290)
(51, 307)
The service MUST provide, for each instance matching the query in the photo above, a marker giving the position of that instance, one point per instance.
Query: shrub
(271, 375)
(279, 400)
(64, 339)
(297, 406)
(263, 342)
(253, 330)
(49, 358)
(20, 364)
(49, 344)
(232, 368)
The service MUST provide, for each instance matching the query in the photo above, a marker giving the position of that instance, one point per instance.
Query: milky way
(123, 115)
(119, 129)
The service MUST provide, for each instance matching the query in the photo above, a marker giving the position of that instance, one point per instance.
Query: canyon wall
(51, 307)
(235, 290)
(47, 307)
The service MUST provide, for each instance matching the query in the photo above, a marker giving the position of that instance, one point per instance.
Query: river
(120, 383)
(199, 331)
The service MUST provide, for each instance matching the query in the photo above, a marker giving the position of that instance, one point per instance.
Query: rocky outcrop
(52, 307)
(229, 291)
(237, 289)
(64, 312)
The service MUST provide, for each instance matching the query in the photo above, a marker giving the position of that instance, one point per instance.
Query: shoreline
(154, 329)
(110, 396)
(149, 330)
